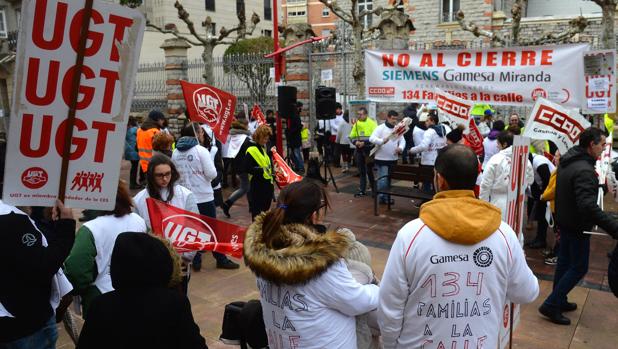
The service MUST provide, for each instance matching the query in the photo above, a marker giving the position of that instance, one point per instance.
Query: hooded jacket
(490, 146)
(308, 296)
(449, 275)
(196, 168)
(141, 312)
(27, 267)
(577, 190)
(433, 140)
(496, 178)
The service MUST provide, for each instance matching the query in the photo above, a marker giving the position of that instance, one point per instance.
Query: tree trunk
(359, 62)
(608, 38)
(208, 64)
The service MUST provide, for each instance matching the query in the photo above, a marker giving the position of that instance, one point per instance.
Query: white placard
(327, 75)
(44, 66)
(598, 104)
(272, 73)
(498, 76)
(598, 84)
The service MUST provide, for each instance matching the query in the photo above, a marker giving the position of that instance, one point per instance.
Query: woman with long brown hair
(307, 292)
(87, 266)
(259, 168)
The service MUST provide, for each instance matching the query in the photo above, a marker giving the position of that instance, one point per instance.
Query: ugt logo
(34, 178)
(207, 103)
(87, 181)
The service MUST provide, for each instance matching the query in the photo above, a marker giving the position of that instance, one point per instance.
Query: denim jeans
(384, 182)
(44, 338)
(364, 169)
(573, 257)
(210, 210)
(242, 190)
(297, 157)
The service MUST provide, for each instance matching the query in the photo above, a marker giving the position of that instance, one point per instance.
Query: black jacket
(141, 312)
(577, 190)
(294, 127)
(260, 189)
(27, 269)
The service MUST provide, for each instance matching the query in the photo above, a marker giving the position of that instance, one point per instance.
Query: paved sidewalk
(594, 324)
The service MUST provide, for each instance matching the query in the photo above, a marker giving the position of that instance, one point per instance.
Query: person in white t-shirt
(449, 276)
(309, 297)
(388, 152)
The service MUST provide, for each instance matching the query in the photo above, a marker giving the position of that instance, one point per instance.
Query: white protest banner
(45, 67)
(600, 77)
(455, 108)
(498, 76)
(551, 121)
(515, 219)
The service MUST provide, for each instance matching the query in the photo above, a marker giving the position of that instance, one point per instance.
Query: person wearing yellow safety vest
(258, 166)
(145, 135)
(305, 142)
(359, 136)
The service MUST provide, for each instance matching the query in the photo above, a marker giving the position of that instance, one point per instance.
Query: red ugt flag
(283, 173)
(211, 106)
(188, 231)
(257, 114)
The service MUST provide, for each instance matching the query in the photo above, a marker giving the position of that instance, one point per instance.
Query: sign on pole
(497, 76)
(600, 75)
(552, 122)
(47, 53)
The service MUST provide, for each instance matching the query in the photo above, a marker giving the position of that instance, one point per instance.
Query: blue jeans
(242, 190)
(44, 338)
(208, 209)
(297, 157)
(573, 257)
(384, 182)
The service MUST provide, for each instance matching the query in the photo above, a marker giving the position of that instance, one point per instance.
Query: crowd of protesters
(317, 286)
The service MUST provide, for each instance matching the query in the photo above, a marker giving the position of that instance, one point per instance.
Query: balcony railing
(12, 40)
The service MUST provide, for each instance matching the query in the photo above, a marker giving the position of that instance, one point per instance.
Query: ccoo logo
(483, 257)
(34, 178)
(207, 103)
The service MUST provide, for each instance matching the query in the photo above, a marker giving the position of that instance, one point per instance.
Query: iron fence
(150, 91)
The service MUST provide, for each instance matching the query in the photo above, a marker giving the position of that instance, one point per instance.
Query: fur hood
(307, 255)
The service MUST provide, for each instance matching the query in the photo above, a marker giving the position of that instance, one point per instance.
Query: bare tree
(608, 36)
(209, 41)
(359, 33)
(576, 26)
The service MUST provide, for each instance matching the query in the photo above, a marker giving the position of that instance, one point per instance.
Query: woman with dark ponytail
(308, 295)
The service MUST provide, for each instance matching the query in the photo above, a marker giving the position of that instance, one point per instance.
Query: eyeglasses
(163, 175)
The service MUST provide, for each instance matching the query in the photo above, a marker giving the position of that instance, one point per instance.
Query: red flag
(283, 173)
(475, 138)
(188, 231)
(211, 106)
(257, 114)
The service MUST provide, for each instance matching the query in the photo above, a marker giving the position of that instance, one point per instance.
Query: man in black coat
(577, 211)
(294, 140)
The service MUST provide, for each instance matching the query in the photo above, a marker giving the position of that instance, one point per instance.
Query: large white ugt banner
(505, 76)
(46, 64)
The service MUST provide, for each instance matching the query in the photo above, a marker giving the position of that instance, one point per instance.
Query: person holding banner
(88, 264)
(442, 264)
(434, 139)
(259, 168)
(577, 211)
(161, 179)
(197, 170)
(497, 174)
(292, 254)
(388, 153)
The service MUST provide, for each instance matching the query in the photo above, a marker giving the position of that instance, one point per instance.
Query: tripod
(326, 160)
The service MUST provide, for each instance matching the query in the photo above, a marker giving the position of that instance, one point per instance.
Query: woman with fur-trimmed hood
(309, 297)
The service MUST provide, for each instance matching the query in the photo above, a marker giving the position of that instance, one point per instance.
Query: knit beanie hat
(156, 115)
(357, 251)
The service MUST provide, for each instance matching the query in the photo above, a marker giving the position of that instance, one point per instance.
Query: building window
(325, 12)
(449, 10)
(366, 5)
(326, 32)
(210, 5)
(3, 30)
(240, 6)
(213, 29)
(268, 11)
(267, 32)
(297, 13)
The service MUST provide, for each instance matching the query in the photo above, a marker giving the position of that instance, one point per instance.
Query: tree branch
(337, 11)
(173, 32)
(576, 26)
(184, 15)
(474, 29)
(516, 11)
(376, 11)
